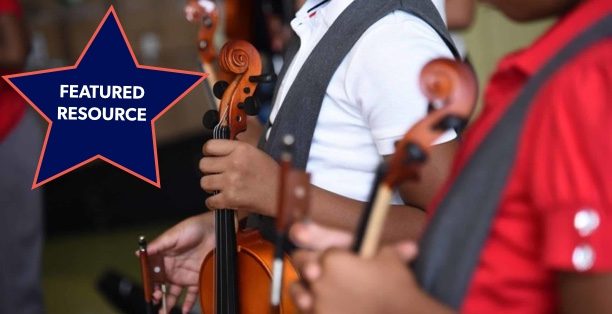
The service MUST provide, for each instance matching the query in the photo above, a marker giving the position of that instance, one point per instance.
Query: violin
(450, 86)
(206, 15)
(207, 20)
(236, 276)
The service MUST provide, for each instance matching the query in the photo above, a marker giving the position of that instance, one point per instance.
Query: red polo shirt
(12, 106)
(556, 211)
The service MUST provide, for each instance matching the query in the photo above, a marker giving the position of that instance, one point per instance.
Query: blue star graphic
(103, 107)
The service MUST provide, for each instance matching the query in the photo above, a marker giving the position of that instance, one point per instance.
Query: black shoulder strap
(292, 49)
(426, 11)
(451, 246)
(300, 110)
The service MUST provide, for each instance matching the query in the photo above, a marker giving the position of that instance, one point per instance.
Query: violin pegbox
(241, 59)
(206, 15)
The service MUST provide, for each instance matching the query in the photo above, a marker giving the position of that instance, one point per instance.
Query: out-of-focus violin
(450, 86)
(205, 14)
(236, 276)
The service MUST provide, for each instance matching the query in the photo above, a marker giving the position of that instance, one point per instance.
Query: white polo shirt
(372, 99)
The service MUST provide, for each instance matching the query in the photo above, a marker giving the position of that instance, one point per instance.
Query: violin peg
(210, 119)
(415, 153)
(219, 88)
(203, 44)
(207, 21)
(452, 122)
(251, 106)
(430, 107)
(264, 78)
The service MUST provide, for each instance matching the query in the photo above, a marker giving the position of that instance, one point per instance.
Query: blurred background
(93, 215)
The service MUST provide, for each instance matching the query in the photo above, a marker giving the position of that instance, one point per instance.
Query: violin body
(254, 263)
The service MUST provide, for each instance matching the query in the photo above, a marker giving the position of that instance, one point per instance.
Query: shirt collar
(530, 60)
(328, 12)
(303, 11)
(331, 12)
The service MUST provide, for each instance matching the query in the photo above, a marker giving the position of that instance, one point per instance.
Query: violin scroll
(451, 84)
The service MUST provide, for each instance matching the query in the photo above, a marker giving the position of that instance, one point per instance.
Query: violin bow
(292, 204)
(153, 275)
(450, 86)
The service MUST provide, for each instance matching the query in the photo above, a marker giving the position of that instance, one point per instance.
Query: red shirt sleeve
(10, 7)
(572, 165)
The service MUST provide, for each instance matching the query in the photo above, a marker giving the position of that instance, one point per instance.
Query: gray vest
(300, 109)
(451, 246)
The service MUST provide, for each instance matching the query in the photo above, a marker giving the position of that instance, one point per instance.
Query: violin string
(223, 116)
(220, 236)
(229, 260)
(229, 250)
(223, 250)
(217, 224)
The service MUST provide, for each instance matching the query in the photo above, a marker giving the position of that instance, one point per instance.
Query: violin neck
(226, 288)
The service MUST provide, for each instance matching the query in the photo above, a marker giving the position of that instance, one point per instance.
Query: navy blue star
(103, 107)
